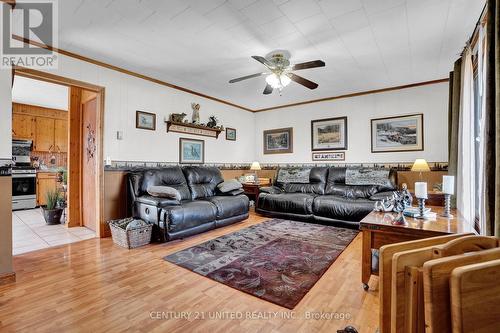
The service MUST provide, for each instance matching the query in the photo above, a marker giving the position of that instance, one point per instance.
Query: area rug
(277, 260)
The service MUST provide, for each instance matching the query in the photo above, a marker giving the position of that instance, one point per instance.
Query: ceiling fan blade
(309, 64)
(246, 77)
(305, 82)
(264, 61)
(268, 89)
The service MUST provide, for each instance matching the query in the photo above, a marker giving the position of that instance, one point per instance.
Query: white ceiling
(202, 44)
(40, 93)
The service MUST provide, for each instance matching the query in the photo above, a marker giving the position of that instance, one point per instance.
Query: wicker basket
(130, 238)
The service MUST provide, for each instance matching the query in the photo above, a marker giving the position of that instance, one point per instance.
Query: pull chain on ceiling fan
(280, 74)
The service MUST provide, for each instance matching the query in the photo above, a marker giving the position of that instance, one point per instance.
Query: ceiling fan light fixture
(278, 82)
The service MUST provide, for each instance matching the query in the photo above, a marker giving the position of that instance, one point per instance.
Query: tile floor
(30, 232)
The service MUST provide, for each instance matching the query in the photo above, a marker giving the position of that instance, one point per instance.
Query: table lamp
(420, 165)
(255, 167)
(448, 190)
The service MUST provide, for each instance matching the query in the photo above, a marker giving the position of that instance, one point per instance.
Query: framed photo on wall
(329, 134)
(278, 141)
(328, 156)
(230, 134)
(145, 120)
(400, 133)
(191, 151)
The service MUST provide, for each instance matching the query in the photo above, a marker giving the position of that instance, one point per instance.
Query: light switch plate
(119, 135)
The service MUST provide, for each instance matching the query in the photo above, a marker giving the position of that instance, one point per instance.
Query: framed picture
(278, 141)
(230, 134)
(401, 133)
(145, 120)
(328, 156)
(191, 151)
(329, 134)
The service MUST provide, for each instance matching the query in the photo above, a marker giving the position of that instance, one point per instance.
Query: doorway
(85, 169)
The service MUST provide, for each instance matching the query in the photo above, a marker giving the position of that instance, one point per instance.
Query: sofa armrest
(231, 193)
(382, 195)
(270, 190)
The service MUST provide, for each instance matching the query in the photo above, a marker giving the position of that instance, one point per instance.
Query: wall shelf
(193, 129)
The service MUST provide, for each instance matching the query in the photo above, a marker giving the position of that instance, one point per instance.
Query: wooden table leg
(366, 258)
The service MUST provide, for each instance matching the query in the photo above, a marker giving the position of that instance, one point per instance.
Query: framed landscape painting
(145, 120)
(230, 134)
(278, 141)
(329, 134)
(191, 151)
(402, 133)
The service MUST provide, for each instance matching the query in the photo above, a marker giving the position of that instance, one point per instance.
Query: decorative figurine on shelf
(196, 113)
(212, 122)
(177, 117)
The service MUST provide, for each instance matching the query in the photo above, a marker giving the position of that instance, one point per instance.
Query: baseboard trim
(7, 278)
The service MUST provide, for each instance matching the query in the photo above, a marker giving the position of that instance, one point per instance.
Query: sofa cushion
(336, 184)
(341, 208)
(228, 206)
(295, 203)
(164, 192)
(202, 181)
(189, 214)
(229, 185)
(156, 201)
(316, 185)
(168, 176)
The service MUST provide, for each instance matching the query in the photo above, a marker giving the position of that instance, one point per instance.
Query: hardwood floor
(95, 286)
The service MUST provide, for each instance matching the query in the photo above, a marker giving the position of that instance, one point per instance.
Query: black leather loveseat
(202, 207)
(325, 198)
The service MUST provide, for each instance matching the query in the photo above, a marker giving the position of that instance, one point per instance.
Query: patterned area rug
(277, 260)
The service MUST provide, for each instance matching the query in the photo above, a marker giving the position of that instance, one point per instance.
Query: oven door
(23, 186)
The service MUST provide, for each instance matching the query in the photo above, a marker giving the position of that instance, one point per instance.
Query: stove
(23, 176)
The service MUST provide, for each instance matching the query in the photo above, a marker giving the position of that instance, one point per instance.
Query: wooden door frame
(100, 91)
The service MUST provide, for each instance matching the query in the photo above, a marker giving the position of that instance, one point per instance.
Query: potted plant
(51, 212)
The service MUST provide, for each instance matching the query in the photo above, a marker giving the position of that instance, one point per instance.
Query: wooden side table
(381, 228)
(252, 190)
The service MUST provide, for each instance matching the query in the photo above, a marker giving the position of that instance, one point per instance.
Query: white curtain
(466, 158)
(481, 73)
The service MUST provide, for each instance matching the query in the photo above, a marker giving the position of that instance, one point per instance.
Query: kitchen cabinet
(61, 135)
(23, 126)
(44, 134)
(45, 181)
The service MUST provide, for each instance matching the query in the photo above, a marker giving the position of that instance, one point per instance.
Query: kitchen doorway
(85, 167)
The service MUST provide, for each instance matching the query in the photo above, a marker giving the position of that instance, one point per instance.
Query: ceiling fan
(280, 74)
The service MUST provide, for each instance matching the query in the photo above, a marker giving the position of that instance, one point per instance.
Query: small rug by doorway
(277, 260)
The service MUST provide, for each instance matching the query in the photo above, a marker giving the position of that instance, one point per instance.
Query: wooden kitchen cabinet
(61, 135)
(44, 135)
(45, 181)
(23, 127)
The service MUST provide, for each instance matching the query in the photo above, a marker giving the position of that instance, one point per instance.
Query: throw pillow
(164, 192)
(229, 185)
(235, 192)
(366, 176)
(294, 175)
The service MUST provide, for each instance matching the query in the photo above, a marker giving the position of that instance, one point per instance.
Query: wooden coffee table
(381, 228)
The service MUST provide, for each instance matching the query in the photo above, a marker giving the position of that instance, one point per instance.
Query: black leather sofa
(325, 199)
(202, 207)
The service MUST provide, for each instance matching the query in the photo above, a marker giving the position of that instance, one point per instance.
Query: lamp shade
(420, 165)
(255, 166)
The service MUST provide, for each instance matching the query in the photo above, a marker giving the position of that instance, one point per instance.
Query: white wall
(125, 94)
(5, 114)
(431, 100)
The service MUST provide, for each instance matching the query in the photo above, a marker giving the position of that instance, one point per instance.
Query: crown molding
(189, 91)
(361, 93)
